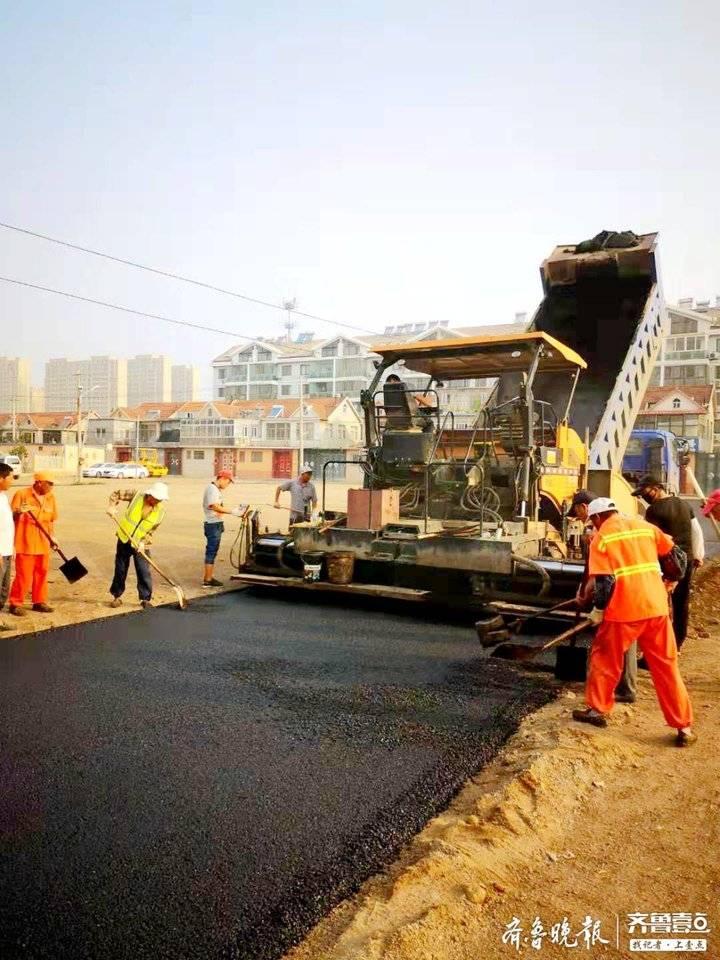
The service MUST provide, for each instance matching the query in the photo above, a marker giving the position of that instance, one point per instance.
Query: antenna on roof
(289, 306)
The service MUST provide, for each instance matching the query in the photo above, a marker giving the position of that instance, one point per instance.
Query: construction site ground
(568, 822)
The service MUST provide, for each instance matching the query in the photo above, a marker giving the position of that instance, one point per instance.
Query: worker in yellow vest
(142, 517)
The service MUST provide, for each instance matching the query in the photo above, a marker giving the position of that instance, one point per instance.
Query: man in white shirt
(213, 511)
(7, 535)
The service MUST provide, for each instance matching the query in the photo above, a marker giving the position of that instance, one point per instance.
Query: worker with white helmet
(144, 514)
(303, 496)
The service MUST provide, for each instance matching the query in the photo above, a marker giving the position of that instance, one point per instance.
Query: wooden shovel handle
(578, 628)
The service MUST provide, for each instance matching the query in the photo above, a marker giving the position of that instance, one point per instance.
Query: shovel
(72, 569)
(521, 651)
(517, 625)
(179, 593)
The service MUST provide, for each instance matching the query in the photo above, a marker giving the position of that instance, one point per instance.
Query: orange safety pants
(31, 571)
(656, 639)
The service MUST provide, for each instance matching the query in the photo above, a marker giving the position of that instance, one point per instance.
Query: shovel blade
(73, 570)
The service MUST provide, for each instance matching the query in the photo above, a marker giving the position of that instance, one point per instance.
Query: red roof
(657, 396)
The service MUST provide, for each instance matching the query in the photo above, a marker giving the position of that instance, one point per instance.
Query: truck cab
(655, 452)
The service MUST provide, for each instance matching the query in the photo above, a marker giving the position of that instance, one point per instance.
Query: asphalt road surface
(210, 783)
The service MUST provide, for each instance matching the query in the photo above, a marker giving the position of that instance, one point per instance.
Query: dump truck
(479, 515)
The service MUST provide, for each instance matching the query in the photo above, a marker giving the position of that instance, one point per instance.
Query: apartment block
(690, 353)
(149, 378)
(185, 384)
(37, 400)
(14, 383)
(103, 381)
(341, 366)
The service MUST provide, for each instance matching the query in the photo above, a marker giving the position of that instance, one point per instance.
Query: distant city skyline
(384, 165)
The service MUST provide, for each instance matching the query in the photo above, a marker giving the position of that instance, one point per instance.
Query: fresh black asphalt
(208, 784)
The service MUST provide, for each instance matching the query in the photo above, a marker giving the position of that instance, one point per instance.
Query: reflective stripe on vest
(133, 525)
(624, 535)
(636, 568)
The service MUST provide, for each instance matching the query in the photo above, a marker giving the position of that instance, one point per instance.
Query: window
(329, 351)
(286, 370)
(683, 325)
(241, 456)
(198, 454)
(676, 403)
(256, 456)
(278, 431)
(263, 355)
(350, 349)
(221, 373)
(276, 411)
(285, 389)
(188, 454)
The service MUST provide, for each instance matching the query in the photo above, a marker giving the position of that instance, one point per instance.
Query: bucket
(312, 567)
(340, 567)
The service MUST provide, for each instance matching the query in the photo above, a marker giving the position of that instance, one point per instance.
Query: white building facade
(14, 384)
(149, 378)
(103, 381)
(185, 384)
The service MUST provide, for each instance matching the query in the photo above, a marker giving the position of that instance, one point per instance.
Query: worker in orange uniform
(629, 559)
(32, 547)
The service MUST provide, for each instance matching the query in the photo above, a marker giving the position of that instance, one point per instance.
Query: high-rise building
(149, 378)
(37, 400)
(103, 379)
(185, 384)
(14, 384)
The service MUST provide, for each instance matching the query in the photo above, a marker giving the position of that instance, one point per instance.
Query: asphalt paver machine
(483, 509)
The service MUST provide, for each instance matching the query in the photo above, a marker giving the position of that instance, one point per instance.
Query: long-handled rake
(179, 593)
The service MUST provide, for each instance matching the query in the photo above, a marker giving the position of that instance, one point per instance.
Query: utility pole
(301, 449)
(78, 414)
(137, 439)
(14, 419)
(289, 306)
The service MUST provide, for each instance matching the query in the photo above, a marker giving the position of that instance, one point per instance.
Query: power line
(117, 306)
(177, 276)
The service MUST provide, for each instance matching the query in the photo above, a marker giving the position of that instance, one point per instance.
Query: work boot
(212, 583)
(589, 715)
(17, 611)
(42, 608)
(145, 604)
(685, 738)
(115, 602)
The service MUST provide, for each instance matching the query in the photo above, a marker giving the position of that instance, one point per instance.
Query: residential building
(185, 384)
(103, 381)
(37, 400)
(255, 439)
(341, 366)
(14, 383)
(149, 378)
(690, 353)
(687, 411)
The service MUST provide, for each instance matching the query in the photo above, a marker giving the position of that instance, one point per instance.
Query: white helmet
(601, 505)
(159, 491)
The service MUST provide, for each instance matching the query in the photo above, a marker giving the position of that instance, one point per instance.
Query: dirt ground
(569, 823)
(83, 530)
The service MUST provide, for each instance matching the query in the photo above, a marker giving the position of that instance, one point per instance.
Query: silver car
(125, 471)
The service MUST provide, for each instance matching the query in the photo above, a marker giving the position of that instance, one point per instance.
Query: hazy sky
(381, 162)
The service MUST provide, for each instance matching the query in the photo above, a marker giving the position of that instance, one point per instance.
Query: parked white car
(96, 469)
(12, 461)
(125, 471)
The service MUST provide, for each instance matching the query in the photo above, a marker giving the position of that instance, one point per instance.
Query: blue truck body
(656, 452)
